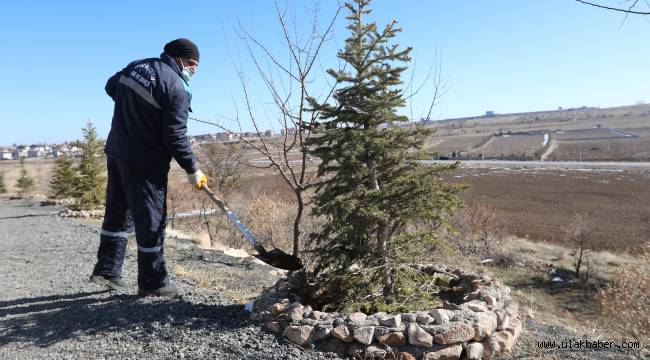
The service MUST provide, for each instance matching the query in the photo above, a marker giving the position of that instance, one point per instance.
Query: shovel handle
(233, 218)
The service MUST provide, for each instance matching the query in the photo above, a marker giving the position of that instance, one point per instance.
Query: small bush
(25, 183)
(91, 191)
(627, 300)
(65, 178)
(3, 188)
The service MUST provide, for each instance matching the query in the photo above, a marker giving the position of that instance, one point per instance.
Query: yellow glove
(197, 179)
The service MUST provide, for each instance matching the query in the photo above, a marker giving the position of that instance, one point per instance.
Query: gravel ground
(49, 310)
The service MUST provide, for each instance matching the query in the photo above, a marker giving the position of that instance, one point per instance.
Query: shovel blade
(281, 260)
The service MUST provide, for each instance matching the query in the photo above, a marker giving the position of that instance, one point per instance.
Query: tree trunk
(296, 223)
(382, 238)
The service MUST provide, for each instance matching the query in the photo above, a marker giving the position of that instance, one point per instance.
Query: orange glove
(197, 179)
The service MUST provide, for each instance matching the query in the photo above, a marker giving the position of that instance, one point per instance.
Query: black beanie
(182, 48)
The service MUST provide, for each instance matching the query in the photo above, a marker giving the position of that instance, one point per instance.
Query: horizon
(496, 114)
(509, 57)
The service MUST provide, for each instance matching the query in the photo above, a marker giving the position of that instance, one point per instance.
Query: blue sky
(506, 56)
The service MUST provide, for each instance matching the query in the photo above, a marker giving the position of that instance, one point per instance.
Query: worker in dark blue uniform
(149, 127)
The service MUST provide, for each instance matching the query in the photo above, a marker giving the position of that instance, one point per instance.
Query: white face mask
(186, 73)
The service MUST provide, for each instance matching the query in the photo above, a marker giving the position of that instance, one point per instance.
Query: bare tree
(578, 235)
(290, 85)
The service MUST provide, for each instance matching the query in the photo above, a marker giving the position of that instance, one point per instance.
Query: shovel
(276, 257)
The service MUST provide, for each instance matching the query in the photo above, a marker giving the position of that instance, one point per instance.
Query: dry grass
(626, 302)
(200, 278)
(571, 303)
(39, 169)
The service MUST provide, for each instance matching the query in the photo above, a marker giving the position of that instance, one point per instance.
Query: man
(152, 100)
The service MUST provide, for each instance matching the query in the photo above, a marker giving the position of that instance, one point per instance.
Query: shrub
(90, 192)
(25, 183)
(3, 188)
(627, 299)
(65, 178)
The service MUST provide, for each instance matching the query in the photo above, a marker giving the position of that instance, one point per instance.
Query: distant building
(20, 152)
(36, 151)
(289, 131)
(489, 113)
(6, 154)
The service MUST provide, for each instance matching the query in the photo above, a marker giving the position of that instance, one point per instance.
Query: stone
(308, 321)
(491, 301)
(474, 351)
(383, 330)
(505, 340)
(296, 311)
(390, 320)
(278, 308)
(364, 335)
(357, 316)
(285, 301)
(342, 333)
(440, 316)
(476, 284)
(503, 320)
(485, 325)
(424, 319)
(477, 306)
(393, 338)
(515, 327)
(321, 332)
(273, 326)
(419, 337)
(405, 356)
(317, 315)
(333, 345)
(490, 348)
(374, 352)
(436, 329)
(408, 317)
(474, 295)
(307, 312)
(299, 334)
(458, 333)
(448, 353)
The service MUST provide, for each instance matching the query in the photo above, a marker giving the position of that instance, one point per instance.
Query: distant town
(72, 149)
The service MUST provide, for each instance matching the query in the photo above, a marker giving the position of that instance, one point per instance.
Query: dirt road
(618, 165)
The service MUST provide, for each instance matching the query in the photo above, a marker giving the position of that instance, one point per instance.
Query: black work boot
(116, 283)
(169, 290)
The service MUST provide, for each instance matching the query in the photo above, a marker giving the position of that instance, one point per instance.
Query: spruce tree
(92, 183)
(3, 188)
(25, 183)
(380, 204)
(65, 179)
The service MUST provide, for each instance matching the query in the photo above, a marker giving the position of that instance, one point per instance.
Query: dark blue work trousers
(134, 197)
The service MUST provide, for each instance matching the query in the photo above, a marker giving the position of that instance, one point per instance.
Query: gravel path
(48, 309)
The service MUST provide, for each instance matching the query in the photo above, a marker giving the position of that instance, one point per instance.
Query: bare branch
(627, 11)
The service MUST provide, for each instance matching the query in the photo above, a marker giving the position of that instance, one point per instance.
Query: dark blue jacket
(150, 118)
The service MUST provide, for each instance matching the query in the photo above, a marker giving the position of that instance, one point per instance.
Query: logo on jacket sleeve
(145, 75)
